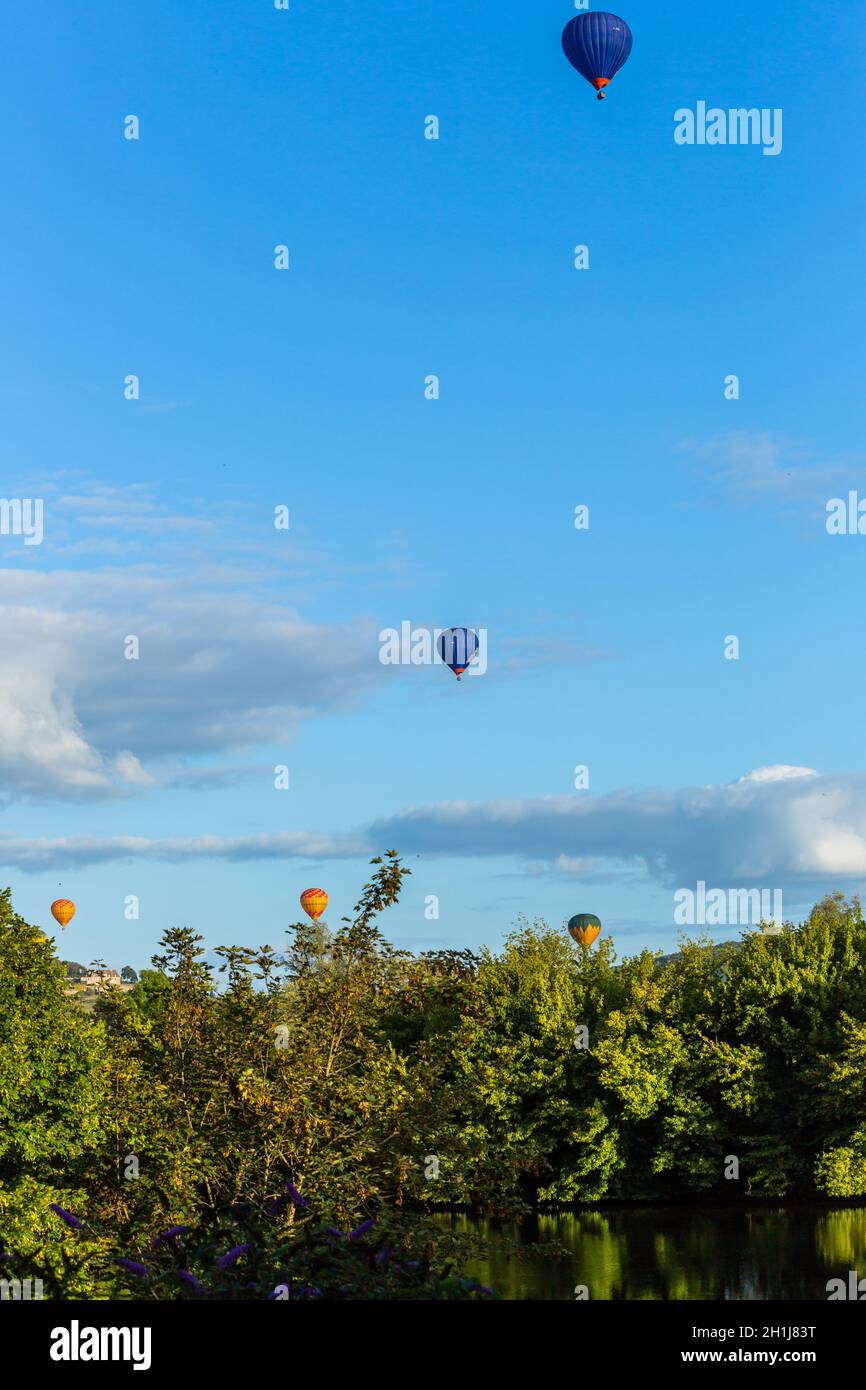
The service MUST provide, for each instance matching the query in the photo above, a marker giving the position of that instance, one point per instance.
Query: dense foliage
(297, 1096)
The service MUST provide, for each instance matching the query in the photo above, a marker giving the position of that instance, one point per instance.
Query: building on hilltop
(101, 979)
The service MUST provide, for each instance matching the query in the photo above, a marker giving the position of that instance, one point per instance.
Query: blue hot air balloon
(457, 647)
(597, 44)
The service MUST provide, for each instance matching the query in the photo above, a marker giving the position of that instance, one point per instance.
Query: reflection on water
(672, 1252)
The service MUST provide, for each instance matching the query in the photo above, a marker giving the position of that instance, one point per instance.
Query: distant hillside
(717, 947)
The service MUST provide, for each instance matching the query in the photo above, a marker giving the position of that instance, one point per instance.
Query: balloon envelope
(584, 928)
(62, 910)
(597, 44)
(457, 647)
(314, 901)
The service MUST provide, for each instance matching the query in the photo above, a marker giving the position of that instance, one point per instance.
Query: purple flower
(191, 1280)
(295, 1195)
(361, 1230)
(275, 1205)
(133, 1267)
(171, 1234)
(231, 1257)
(334, 1233)
(67, 1217)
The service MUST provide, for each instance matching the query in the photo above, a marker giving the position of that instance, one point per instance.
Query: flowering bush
(278, 1253)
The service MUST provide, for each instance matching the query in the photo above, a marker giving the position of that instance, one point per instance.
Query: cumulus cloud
(212, 594)
(779, 772)
(774, 827)
(216, 671)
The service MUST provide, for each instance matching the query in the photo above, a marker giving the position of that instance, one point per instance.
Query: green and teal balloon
(584, 928)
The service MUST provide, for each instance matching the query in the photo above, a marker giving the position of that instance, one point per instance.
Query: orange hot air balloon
(63, 911)
(314, 901)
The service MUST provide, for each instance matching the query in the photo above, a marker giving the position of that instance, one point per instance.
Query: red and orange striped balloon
(63, 911)
(314, 901)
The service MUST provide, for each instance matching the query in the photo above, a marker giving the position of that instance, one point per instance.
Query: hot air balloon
(314, 901)
(597, 44)
(457, 647)
(63, 911)
(584, 928)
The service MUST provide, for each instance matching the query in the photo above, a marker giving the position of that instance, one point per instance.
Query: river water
(672, 1252)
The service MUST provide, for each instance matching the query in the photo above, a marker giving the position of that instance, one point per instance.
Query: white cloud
(79, 850)
(753, 466)
(217, 671)
(778, 772)
(775, 827)
(772, 826)
(130, 770)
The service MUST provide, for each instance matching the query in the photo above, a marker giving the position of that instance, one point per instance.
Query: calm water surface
(672, 1252)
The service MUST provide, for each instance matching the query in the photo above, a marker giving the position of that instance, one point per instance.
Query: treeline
(372, 1083)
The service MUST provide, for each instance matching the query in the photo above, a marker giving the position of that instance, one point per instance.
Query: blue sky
(306, 388)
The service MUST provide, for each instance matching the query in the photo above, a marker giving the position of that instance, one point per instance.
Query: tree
(53, 1081)
(149, 994)
(51, 1060)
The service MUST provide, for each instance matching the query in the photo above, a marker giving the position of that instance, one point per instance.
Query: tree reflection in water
(672, 1252)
